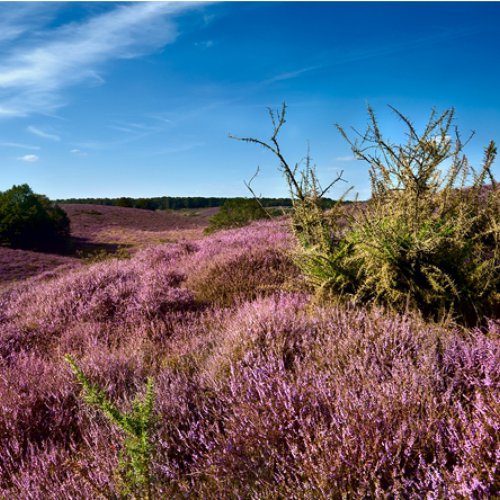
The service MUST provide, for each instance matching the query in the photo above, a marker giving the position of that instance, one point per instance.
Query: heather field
(249, 250)
(108, 224)
(99, 230)
(259, 389)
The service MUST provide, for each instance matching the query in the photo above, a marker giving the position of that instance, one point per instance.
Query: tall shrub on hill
(429, 237)
(236, 212)
(29, 220)
(430, 234)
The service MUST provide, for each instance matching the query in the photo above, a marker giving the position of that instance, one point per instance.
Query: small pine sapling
(137, 425)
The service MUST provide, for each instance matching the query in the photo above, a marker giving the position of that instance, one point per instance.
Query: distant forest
(179, 202)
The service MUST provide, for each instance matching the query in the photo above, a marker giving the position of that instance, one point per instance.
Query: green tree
(125, 201)
(29, 220)
(236, 212)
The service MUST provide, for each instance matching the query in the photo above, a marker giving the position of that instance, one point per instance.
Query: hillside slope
(259, 391)
(97, 228)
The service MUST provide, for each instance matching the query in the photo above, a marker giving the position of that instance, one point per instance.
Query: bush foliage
(427, 239)
(236, 212)
(32, 221)
(430, 235)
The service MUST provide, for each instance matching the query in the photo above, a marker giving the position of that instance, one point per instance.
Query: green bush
(428, 239)
(31, 221)
(136, 425)
(236, 212)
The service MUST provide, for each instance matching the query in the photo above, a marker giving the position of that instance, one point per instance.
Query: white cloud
(345, 158)
(45, 135)
(290, 75)
(28, 158)
(34, 75)
(78, 152)
(18, 145)
(206, 44)
(19, 19)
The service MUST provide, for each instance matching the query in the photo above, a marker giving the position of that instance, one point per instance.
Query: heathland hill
(258, 390)
(96, 229)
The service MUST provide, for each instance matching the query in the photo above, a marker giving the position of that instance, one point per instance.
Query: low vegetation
(255, 383)
(136, 425)
(91, 257)
(271, 396)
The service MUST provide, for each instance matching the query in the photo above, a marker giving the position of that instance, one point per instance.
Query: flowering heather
(95, 229)
(255, 260)
(98, 224)
(267, 395)
(17, 264)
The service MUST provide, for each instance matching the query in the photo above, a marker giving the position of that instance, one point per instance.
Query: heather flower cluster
(260, 392)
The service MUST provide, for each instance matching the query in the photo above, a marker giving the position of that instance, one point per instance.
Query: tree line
(179, 202)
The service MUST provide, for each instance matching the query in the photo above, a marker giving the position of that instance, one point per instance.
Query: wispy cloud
(161, 118)
(345, 158)
(367, 52)
(18, 145)
(205, 44)
(179, 148)
(28, 158)
(33, 77)
(78, 152)
(19, 19)
(102, 145)
(120, 128)
(329, 59)
(132, 128)
(130, 131)
(289, 75)
(44, 135)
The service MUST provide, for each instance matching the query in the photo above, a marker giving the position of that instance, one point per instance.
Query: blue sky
(138, 99)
